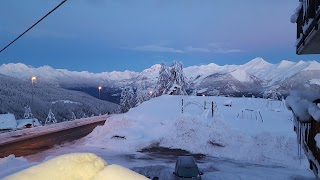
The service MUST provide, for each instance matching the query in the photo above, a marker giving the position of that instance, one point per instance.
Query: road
(21, 145)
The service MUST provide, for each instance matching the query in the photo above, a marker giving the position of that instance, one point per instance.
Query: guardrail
(30, 141)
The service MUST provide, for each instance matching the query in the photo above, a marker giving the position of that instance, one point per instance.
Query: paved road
(43, 142)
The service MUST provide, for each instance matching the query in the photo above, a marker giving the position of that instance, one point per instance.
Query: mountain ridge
(259, 72)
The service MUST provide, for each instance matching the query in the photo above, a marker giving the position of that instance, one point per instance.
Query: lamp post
(99, 99)
(33, 79)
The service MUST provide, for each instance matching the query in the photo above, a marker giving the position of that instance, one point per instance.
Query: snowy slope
(241, 76)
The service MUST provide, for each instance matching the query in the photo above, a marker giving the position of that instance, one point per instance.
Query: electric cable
(33, 26)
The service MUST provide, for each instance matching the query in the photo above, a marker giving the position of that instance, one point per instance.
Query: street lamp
(99, 99)
(33, 79)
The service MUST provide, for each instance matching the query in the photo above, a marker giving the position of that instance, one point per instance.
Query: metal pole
(32, 92)
(99, 102)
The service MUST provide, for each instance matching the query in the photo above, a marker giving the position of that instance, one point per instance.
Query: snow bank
(70, 166)
(76, 166)
(161, 122)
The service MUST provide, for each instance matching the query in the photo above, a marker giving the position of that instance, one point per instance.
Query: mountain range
(257, 77)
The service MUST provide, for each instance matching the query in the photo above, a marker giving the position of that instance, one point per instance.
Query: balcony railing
(306, 112)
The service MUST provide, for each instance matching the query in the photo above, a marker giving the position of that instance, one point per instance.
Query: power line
(33, 25)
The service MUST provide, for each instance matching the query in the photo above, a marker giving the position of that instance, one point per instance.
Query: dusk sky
(107, 35)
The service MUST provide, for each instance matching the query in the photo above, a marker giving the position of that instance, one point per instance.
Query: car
(186, 168)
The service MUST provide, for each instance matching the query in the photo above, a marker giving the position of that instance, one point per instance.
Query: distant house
(307, 16)
(9, 122)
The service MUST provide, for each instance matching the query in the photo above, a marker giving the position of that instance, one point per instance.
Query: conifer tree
(51, 119)
(127, 99)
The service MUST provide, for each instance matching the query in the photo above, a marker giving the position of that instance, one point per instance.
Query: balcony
(307, 18)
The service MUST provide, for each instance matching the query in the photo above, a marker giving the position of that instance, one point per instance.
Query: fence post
(182, 106)
(205, 104)
(212, 109)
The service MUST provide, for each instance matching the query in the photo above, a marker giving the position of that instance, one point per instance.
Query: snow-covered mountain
(254, 77)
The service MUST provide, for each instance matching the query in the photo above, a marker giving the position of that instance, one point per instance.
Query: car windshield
(188, 171)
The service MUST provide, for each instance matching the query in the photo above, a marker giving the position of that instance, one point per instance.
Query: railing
(307, 128)
(308, 18)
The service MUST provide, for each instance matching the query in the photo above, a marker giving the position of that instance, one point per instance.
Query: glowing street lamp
(33, 79)
(99, 99)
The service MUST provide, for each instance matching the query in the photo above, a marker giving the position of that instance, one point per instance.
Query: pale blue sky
(106, 35)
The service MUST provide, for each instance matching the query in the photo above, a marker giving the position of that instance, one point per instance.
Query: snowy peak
(257, 63)
(154, 68)
(312, 65)
(285, 64)
(241, 75)
(151, 72)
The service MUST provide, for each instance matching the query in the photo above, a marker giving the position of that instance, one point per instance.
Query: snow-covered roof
(21, 123)
(7, 121)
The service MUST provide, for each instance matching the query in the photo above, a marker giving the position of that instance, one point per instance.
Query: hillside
(15, 94)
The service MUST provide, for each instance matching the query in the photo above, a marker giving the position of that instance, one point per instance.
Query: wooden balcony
(307, 129)
(308, 33)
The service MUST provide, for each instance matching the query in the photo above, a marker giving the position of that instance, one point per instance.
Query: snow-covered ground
(252, 139)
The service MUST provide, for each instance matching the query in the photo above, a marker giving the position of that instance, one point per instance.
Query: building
(8, 122)
(307, 18)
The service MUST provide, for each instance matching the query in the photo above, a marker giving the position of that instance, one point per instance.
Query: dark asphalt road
(43, 142)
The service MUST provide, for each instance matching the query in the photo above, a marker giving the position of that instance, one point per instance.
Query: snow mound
(161, 121)
(81, 166)
(72, 166)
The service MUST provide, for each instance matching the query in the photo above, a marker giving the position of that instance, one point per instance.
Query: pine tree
(141, 95)
(73, 116)
(27, 113)
(127, 99)
(163, 80)
(84, 115)
(177, 80)
(50, 118)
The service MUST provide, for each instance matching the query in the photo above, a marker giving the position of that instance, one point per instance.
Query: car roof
(186, 161)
